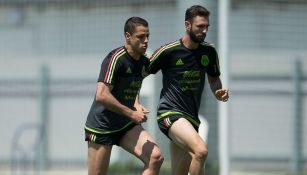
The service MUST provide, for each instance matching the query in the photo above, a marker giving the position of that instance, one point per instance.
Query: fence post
(44, 117)
(297, 119)
(224, 121)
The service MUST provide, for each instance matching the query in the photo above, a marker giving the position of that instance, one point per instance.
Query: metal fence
(267, 110)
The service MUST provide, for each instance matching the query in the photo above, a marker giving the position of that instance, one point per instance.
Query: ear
(127, 36)
(187, 25)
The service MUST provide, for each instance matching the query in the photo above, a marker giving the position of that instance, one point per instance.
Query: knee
(201, 153)
(156, 157)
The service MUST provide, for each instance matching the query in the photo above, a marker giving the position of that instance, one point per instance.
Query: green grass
(133, 167)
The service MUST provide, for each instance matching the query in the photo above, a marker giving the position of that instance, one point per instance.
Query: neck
(135, 55)
(188, 43)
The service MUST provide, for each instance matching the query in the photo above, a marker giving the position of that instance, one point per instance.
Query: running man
(113, 119)
(184, 64)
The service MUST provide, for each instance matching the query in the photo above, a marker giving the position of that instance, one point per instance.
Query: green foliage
(212, 168)
(133, 167)
(124, 167)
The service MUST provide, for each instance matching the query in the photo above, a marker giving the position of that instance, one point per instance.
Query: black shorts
(166, 122)
(107, 139)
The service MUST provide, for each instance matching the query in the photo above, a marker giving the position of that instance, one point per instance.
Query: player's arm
(105, 97)
(217, 89)
(213, 74)
(157, 61)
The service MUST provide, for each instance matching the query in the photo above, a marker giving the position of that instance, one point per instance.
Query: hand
(140, 107)
(222, 94)
(138, 117)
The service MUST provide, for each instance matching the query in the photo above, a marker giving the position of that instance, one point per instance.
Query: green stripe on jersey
(116, 59)
(164, 48)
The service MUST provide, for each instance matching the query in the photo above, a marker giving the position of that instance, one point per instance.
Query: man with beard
(184, 64)
(113, 118)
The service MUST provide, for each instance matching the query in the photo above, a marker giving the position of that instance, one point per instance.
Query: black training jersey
(126, 75)
(183, 77)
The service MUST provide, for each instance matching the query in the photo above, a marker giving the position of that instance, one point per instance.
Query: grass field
(84, 172)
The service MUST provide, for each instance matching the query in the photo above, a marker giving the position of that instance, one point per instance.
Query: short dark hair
(196, 10)
(132, 22)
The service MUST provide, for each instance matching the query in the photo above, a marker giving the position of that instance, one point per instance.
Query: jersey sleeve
(213, 67)
(157, 61)
(147, 62)
(110, 68)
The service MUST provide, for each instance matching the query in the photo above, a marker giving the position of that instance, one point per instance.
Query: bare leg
(139, 143)
(180, 160)
(98, 158)
(191, 142)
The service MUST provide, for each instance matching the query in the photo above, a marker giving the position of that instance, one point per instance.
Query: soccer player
(184, 64)
(113, 119)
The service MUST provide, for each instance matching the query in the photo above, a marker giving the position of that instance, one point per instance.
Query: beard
(196, 39)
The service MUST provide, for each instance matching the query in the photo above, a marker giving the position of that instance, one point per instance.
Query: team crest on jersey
(204, 60)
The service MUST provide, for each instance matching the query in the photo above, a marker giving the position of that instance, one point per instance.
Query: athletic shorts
(166, 122)
(107, 139)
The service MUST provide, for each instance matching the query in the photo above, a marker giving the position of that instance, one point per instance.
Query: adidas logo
(128, 70)
(179, 62)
